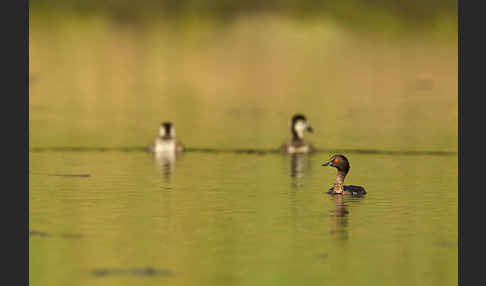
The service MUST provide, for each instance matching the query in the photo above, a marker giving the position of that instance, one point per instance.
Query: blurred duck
(341, 163)
(166, 142)
(297, 144)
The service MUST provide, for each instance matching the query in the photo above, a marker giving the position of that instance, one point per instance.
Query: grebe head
(298, 125)
(167, 130)
(339, 162)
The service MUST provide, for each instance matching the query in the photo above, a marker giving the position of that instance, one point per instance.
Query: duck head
(167, 130)
(298, 125)
(339, 162)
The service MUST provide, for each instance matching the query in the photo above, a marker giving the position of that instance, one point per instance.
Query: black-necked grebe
(341, 163)
(166, 141)
(297, 144)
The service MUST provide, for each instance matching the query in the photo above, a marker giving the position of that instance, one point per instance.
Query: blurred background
(383, 74)
(376, 79)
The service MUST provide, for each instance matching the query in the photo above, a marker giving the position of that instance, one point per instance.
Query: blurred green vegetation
(410, 12)
(362, 90)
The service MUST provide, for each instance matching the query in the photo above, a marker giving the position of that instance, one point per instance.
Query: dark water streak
(148, 271)
(247, 151)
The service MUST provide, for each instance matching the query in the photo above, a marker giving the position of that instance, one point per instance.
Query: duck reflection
(166, 162)
(299, 163)
(340, 213)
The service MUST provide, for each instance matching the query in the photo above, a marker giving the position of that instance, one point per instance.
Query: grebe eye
(335, 160)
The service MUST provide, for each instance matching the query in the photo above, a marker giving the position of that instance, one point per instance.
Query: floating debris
(64, 175)
(71, 235)
(38, 233)
(148, 271)
(44, 234)
(70, 175)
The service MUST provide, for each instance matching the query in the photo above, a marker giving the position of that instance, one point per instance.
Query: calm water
(242, 219)
(229, 211)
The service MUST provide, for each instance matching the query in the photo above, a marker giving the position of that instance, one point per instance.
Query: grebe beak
(327, 164)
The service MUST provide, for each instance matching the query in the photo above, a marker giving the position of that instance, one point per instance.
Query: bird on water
(297, 144)
(341, 163)
(166, 141)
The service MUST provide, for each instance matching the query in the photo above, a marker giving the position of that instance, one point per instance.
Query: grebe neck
(339, 184)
